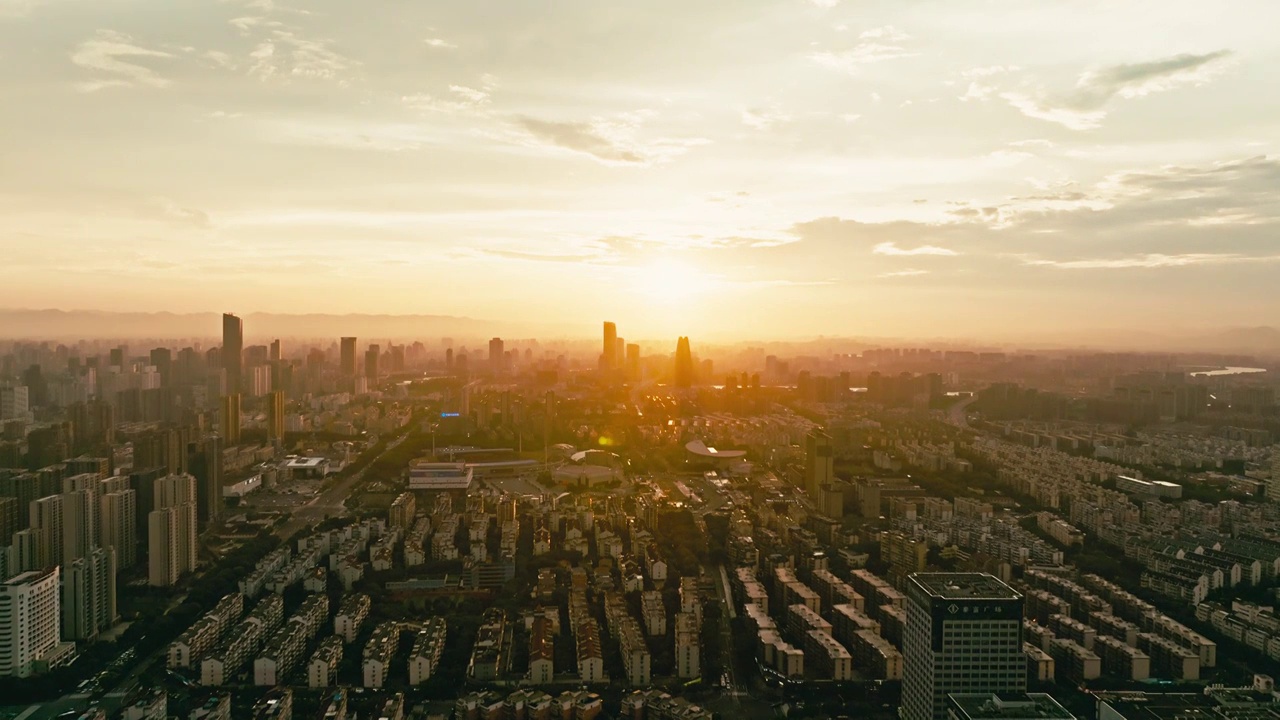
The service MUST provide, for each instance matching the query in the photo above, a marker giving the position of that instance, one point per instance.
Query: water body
(1228, 371)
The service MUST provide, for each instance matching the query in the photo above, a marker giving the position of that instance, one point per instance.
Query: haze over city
(639, 360)
(779, 169)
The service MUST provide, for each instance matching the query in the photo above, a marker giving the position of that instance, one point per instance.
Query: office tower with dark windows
(206, 465)
(275, 416)
(232, 351)
(230, 419)
(964, 636)
(609, 352)
(684, 364)
(274, 355)
(347, 357)
(371, 369)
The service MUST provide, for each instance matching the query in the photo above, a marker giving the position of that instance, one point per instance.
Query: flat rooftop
(964, 586)
(1010, 706)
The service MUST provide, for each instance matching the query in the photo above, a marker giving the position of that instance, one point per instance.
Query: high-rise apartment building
(609, 351)
(232, 351)
(171, 530)
(206, 464)
(46, 522)
(274, 354)
(89, 595)
(14, 402)
(347, 357)
(118, 530)
(30, 622)
(819, 463)
(963, 635)
(633, 361)
(230, 419)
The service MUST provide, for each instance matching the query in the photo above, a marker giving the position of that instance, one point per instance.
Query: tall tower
(684, 364)
(608, 353)
(171, 530)
(633, 361)
(275, 416)
(274, 355)
(30, 621)
(371, 357)
(963, 635)
(232, 351)
(119, 528)
(497, 355)
(89, 595)
(46, 522)
(819, 463)
(347, 357)
(230, 420)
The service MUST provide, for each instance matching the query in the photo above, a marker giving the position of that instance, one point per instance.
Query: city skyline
(797, 167)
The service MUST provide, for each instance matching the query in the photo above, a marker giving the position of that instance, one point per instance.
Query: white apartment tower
(963, 635)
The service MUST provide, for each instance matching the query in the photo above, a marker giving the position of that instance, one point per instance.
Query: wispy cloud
(609, 140)
(909, 272)
(875, 45)
(891, 248)
(763, 118)
(288, 55)
(1086, 106)
(825, 3)
(113, 57)
(1147, 261)
(439, 44)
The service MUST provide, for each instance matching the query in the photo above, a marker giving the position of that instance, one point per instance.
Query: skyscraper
(633, 361)
(819, 463)
(30, 621)
(230, 419)
(275, 416)
(608, 353)
(89, 595)
(162, 360)
(274, 355)
(347, 357)
(963, 635)
(497, 355)
(207, 466)
(684, 364)
(371, 368)
(232, 350)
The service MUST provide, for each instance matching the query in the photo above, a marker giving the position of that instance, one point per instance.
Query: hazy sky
(780, 167)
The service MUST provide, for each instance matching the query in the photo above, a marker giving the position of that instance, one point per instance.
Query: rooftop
(1010, 706)
(963, 586)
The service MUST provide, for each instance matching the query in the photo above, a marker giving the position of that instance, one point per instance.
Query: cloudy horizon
(790, 167)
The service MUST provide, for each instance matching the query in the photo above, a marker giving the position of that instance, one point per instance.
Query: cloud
(108, 54)
(1086, 106)
(763, 118)
(826, 4)
(1148, 261)
(887, 33)
(875, 45)
(891, 248)
(610, 141)
(288, 55)
(440, 44)
(909, 272)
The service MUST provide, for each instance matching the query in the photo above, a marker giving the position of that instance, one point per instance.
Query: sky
(761, 168)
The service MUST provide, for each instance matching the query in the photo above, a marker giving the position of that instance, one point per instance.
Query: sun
(669, 282)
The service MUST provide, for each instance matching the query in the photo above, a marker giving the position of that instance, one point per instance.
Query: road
(729, 681)
(329, 503)
(958, 414)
